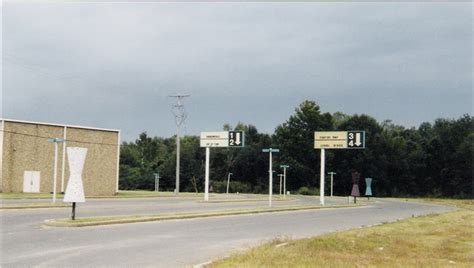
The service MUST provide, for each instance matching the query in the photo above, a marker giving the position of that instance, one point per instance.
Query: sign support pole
(284, 182)
(206, 186)
(280, 175)
(321, 189)
(55, 170)
(270, 188)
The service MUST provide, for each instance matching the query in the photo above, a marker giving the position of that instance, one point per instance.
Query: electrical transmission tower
(180, 117)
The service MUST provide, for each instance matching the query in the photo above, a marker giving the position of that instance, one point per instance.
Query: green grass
(93, 221)
(34, 205)
(438, 240)
(29, 196)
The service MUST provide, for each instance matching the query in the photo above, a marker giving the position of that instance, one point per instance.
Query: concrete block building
(27, 157)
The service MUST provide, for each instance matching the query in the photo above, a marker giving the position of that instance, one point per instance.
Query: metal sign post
(270, 172)
(228, 182)
(280, 175)
(55, 171)
(332, 182)
(206, 184)
(354, 139)
(157, 182)
(284, 178)
(321, 182)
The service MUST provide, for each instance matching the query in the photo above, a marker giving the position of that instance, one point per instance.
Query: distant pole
(270, 188)
(284, 178)
(280, 175)
(157, 182)
(332, 174)
(321, 189)
(206, 184)
(55, 171)
(228, 181)
(180, 117)
(270, 173)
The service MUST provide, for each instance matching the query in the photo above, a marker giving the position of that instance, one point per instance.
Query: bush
(307, 191)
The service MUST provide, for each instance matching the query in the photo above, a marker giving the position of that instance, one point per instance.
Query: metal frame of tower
(180, 116)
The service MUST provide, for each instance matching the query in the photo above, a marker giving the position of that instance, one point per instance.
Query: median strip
(95, 221)
(242, 200)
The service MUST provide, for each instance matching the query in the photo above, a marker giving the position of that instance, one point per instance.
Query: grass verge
(437, 240)
(27, 206)
(94, 221)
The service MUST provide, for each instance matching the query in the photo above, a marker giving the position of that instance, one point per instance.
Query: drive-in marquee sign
(339, 139)
(218, 139)
(223, 139)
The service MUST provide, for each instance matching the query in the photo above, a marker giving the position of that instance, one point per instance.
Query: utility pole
(228, 181)
(270, 173)
(55, 171)
(332, 174)
(180, 117)
(284, 178)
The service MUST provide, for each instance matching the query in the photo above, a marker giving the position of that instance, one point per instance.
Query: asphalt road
(177, 243)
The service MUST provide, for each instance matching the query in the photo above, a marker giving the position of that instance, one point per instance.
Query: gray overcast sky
(113, 65)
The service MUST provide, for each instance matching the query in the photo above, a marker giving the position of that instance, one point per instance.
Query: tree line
(434, 159)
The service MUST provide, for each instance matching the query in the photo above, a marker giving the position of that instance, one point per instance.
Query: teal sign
(368, 190)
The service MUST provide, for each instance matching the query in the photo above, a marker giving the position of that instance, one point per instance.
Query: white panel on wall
(31, 182)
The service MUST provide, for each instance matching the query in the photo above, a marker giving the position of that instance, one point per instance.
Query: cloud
(114, 64)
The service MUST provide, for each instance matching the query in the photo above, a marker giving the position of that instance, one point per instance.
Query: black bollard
(73, 217)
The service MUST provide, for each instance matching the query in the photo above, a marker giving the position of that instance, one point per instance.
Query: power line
(67, 140)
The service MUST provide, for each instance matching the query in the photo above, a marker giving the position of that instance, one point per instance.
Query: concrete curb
(137, 218)
(242, 200)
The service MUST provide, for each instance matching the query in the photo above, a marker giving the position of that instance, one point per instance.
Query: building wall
(100, 169)
(26, 148)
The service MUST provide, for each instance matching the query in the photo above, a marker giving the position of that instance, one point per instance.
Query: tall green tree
(295, 138)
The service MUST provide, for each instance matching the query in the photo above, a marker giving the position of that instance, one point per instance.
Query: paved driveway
(175, 243)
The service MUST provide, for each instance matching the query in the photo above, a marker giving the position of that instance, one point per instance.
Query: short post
(332, 182)
(280, 175)
(228, 182)
(73, 216)
(270, 173)
(284, 178)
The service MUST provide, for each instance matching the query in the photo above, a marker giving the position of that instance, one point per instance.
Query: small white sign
(215, 139)
(339, 140)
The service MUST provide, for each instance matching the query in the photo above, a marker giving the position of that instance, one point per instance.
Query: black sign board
(236, 139)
